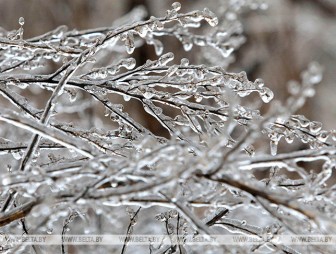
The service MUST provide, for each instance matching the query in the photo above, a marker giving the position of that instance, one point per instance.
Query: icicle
(126, 97)
(226, 50)
(129, 42)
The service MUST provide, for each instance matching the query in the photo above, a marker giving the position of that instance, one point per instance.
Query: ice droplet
(126, 97)
(259, 83)
(289, 137)
(128, 63)
(266, 94)
(173, 213)
(309, 92)
(333, 135)
(176, 6)
(226, 51)
(142, 30)
(158, 25)
(250, 150)
(172, 70)
(157, 110)
(304, 122)
(315, 73)
(184, 62)
(293, 87)
(21, 21)
(158, 46)
(323, 136)
(315, 126)
(49, 231)
(6, 180)
(148, 95)
(274, 147)
(129, 42)
(198, 97)
(160, 217)
(210, 17)
(17, 155)
(187, 44)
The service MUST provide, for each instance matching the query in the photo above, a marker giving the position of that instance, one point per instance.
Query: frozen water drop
(172, 70)
(184, 62)
(128, 63)
(210, 17)
(274, 147)
(129, 42)
(160, 217)
(333, 135)
(323, 136)
(166, 58)
(158, 46)
(173, 213)
(289, 138)
(142, 30)
(304, 122)
(250, 150)
(226, 51)
(157, 110)
(158, 25)
(102, 73)
(176, 6)
(314, 73)
(259, 83)
(309, 92)
(315, 126)
(198, 97)
(130, 211)
(17, 155)
(148, 95)
(21, 21)
(126, 97)
(293, 87)
(266, 94)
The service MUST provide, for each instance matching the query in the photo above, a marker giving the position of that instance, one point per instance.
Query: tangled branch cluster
(212, 175)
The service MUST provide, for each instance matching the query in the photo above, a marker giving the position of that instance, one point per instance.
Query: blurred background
(280, 40)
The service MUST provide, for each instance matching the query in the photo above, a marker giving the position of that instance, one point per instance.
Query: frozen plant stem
(189, 140)
(34, 143)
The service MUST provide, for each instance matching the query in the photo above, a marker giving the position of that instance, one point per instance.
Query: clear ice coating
(92, 140)
(21, 21)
